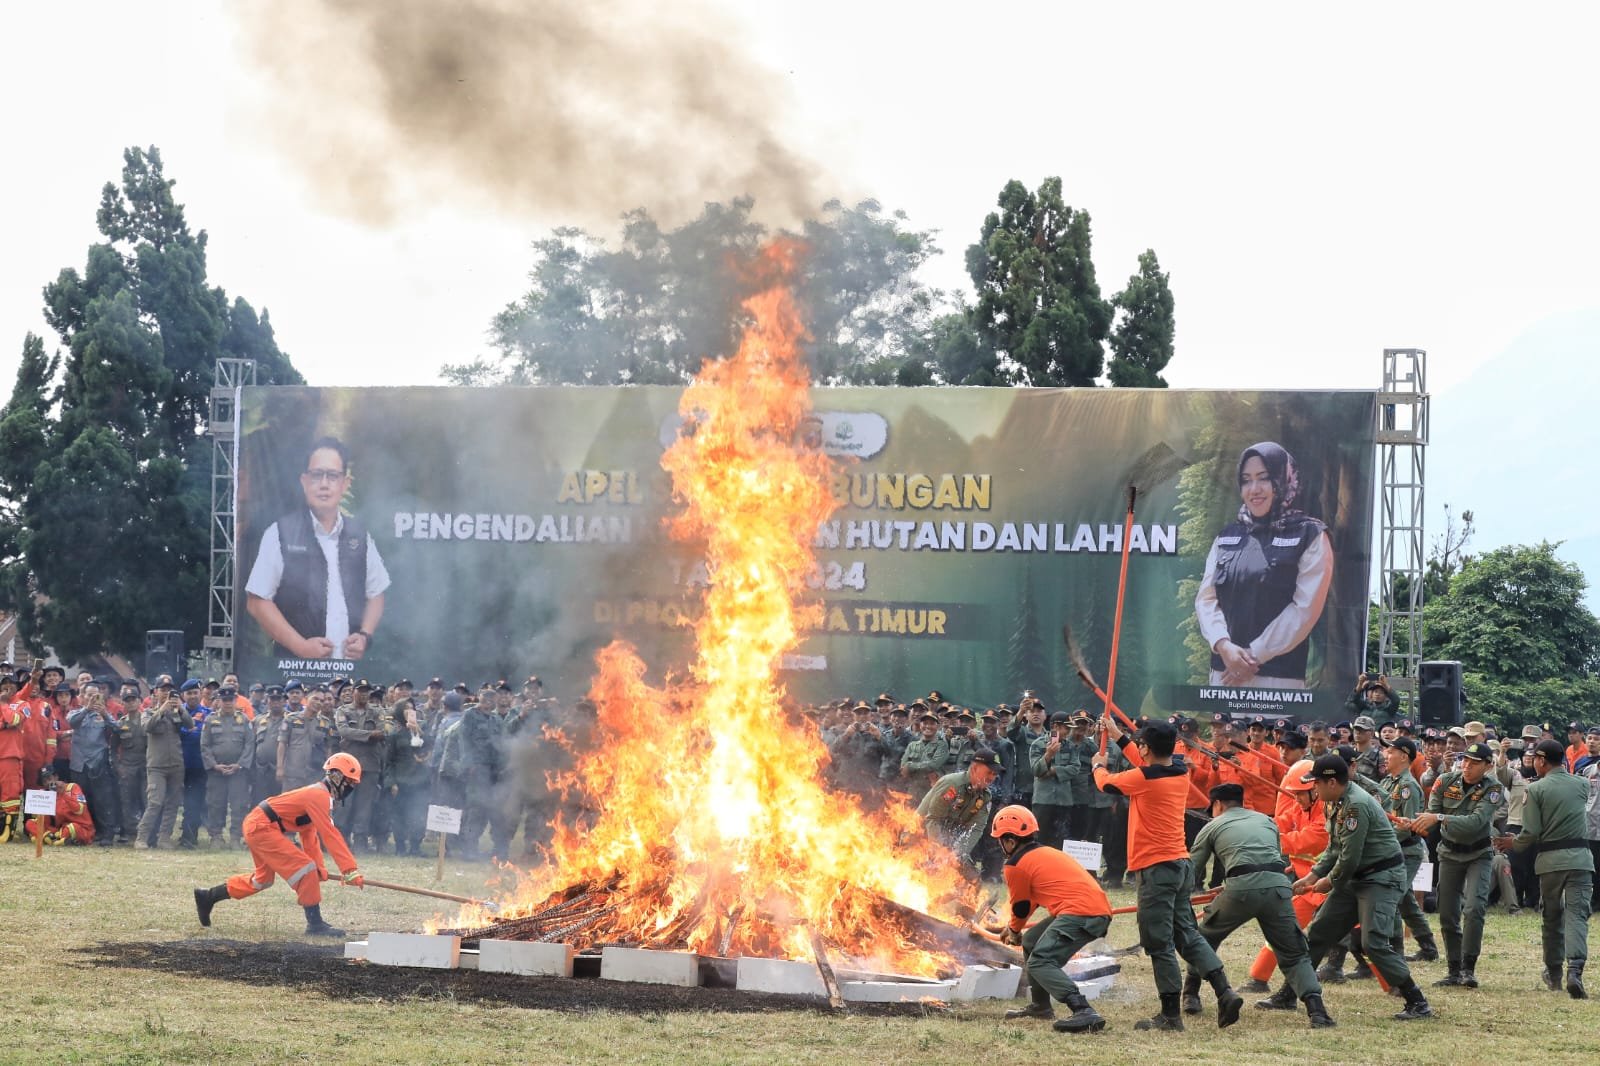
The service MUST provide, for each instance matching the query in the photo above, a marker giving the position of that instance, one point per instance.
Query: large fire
(708, 822)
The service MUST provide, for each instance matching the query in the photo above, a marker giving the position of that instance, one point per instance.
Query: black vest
(1255, 578)
(303, 591)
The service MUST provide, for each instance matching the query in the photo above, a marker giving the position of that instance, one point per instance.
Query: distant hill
(1518, 444)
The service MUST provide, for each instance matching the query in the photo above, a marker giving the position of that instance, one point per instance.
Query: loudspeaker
(163, 654)
(1439, 692)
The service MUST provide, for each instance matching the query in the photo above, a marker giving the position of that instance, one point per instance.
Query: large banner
(478, 534)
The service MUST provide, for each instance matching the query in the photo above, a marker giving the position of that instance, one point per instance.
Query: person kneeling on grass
(269, 834)
(71, 823)
(1077, 912)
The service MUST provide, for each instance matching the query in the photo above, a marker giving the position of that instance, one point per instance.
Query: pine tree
(1141, 342)
(1039, 304)
(111, 537)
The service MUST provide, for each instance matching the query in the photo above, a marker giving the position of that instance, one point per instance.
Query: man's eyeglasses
(317, 477)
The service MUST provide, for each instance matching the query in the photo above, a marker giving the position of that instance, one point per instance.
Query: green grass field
(65, 1006)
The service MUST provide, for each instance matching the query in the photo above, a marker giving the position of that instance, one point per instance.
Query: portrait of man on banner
(317, 584)
(1266, 578)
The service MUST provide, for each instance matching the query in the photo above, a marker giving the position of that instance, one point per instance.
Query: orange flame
(701, 798)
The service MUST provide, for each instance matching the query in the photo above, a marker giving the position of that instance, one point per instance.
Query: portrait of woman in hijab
(1266, 578)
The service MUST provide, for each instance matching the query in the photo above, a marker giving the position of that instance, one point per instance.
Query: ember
(707, 829)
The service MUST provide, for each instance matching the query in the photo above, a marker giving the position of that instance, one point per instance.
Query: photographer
(93, 731)
(858, 753)
(163, 765)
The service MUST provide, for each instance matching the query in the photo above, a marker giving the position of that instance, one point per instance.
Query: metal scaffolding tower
(1402, 449)
(223, 427)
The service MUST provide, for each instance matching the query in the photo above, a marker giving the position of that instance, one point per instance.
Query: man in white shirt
(318, 581)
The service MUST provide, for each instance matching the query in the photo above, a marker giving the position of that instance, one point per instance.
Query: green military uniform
(1255, 886)
(1553, 824)
(1467, 813)
(1022, 739)
(1367, 870)
(129, 764)
(923, 761)
(302, 742)
(962, 747)
(227, 738)
(355, 818)
(264, 778)
(1401, 796)
(955, 813)
(163, 770)
(1052, 789)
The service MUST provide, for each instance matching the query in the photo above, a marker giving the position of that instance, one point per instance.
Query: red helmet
(346, 764)
(1015, 820)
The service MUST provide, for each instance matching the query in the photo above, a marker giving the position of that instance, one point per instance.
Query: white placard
(1423, 882)
(40, 801)
(444, 819)
(1087, 852)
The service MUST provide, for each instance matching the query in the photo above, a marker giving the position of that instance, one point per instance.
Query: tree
(651, 310)
(1027, 667)
(1039, 306)
(1529, 647)
(108, 531)
(1141, 341)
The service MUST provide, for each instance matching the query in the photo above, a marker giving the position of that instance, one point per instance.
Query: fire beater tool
(486, 904)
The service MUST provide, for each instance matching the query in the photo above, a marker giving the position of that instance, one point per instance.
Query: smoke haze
(574, 110)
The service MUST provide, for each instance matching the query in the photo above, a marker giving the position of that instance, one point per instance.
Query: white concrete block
(527, 959)
(989, 982)
(781, 976)
(414, 949)
(355, 949)
(895, 991)
(1095, 988)
(468, 960)
(650, 967)
(1086, 967)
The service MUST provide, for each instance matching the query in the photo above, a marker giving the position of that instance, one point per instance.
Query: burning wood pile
(705, 823)
(580, 916)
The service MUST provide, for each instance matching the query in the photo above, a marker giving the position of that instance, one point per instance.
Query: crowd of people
(181, 765)
(153, 767)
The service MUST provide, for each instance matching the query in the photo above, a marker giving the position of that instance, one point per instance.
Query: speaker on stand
(163, 654)
(1439, 692)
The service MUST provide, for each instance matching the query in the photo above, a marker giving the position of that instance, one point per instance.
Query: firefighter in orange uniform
(1076, 912)
(72, 823)
(1303, 832)
(268, 833)
(14, 716)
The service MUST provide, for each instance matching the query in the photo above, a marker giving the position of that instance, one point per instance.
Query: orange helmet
(1015, 820)
(346, 764)
(1291, 780)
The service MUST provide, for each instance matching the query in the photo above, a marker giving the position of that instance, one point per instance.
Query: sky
(1321, 181)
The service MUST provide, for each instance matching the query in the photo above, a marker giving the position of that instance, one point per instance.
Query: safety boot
(1362, 972)
(1468, 978)
(315, 926)
(1038, 1007)
(1331, 972)
(1452, 978)
(1282, 999)
(1255, 986)
(1552, 978)
(1085, 1019)
(7, 828)
(1427, 950)
(1318, 1012)
(1416, 1005)
(1575, 987)
(1168, 1021)
(1229, 1002)
(206, 898)
(1191, 993)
